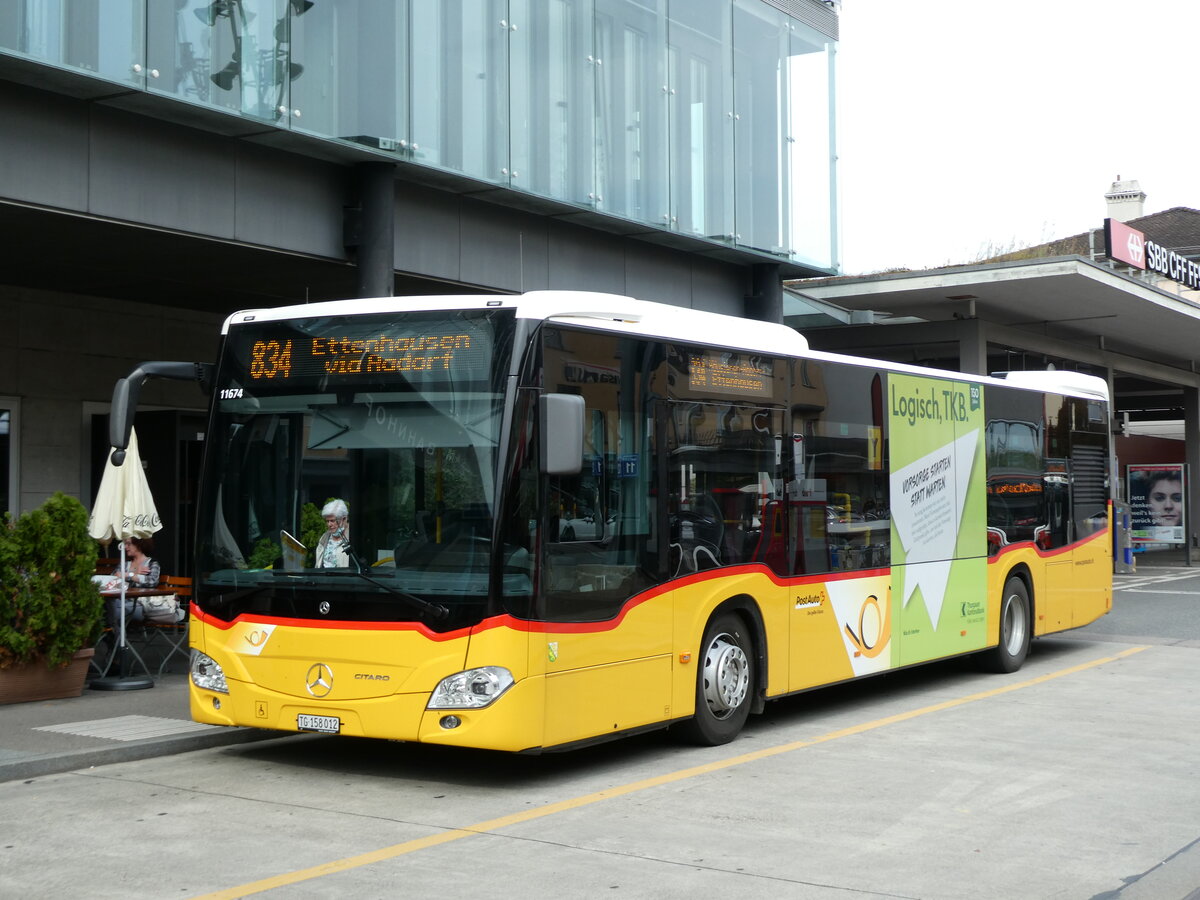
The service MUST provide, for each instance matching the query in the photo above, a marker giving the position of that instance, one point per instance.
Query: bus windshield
(399, 416)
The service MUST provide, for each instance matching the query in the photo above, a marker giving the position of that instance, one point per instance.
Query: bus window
(599, 541)
(1016, 468)
(1089, 468)
(724, 487)
(840, 497)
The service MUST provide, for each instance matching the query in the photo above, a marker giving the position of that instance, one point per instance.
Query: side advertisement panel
(939, 515)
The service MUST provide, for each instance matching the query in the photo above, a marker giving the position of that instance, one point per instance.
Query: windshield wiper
(435, 611)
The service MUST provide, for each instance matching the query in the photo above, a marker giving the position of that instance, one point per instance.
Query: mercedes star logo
(319, 680)
(324, 607)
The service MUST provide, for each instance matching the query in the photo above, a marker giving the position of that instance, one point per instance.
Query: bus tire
(725, 680)
(1016, 628)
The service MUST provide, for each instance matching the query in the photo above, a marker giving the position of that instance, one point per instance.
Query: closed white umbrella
(124, 508)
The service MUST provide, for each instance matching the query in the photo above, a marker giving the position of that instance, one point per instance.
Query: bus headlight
(472, 689)
(207, 674)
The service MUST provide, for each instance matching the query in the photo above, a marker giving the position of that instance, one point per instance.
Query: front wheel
(1015, 630)
(724, 683)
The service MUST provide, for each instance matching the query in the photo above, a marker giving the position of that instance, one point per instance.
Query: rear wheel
(724, 682)
(1015, 630)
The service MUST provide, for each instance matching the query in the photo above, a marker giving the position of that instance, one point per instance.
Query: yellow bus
(571, 517)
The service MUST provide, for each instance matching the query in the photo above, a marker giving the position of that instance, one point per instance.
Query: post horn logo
(319, 680)
(874, 627)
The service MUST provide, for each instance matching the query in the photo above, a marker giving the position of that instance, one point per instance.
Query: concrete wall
(61, 355)
(99, 202)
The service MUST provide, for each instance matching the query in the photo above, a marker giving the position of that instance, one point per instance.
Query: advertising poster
(1155, 495)
(939, 513)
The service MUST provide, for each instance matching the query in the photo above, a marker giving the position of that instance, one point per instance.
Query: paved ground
(103, 727)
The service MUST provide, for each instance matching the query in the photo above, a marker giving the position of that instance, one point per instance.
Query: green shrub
(267, 549)
(49, 606)
(312, 526)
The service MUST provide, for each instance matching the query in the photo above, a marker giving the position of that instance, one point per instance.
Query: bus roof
(613, 312)
(606, 311)
(1061, 382)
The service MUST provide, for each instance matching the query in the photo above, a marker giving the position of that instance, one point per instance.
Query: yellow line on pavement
(492, 825)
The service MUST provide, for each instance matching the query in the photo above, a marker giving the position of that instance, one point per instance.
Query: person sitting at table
(140, 571)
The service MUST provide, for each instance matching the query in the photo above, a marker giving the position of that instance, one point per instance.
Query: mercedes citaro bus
(576, 516)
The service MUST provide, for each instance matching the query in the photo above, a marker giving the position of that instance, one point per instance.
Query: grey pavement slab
(103, 727)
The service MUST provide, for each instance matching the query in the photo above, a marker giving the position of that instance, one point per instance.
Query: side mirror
(125, 396)
(561, 433)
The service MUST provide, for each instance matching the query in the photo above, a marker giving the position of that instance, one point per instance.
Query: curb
(57, 763)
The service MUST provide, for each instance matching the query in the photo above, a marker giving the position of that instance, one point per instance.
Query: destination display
(361, 349)
(344, 355)
(721, 372)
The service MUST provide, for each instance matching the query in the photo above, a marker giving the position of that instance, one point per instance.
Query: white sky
(965, 125)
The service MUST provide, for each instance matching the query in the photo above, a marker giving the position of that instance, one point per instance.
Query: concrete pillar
(1115, 491)
(765, 302)
(376, 229)
(972, 347)
(1191, 443)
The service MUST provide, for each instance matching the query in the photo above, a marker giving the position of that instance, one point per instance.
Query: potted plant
(50, 610)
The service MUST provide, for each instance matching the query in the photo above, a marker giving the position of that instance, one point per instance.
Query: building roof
(1176, 229)
(1067, 298)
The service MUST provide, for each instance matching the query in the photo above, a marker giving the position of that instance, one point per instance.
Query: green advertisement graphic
(939, 516)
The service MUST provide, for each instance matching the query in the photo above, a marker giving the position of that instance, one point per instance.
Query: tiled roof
(1176, 229)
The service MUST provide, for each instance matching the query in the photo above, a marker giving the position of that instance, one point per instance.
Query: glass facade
(711, 118)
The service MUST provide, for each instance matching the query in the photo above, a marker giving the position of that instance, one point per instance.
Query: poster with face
(1156, 503)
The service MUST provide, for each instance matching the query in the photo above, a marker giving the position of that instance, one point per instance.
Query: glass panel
(701, 114)
(351, 58)
(760, 42)
(810, 174)
(553, 99)
(841, 514)
(459, 86)
(599, 539)
(1013, 448)
(100, 37)
(231, 54)
(399, 416)
(725, 481)
(724, 476)
(8, 487)
(631, 109)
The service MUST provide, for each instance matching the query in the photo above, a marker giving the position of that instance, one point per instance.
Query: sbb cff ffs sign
(1128, 245)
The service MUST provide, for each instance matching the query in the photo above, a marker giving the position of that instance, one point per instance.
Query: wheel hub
(726, 676)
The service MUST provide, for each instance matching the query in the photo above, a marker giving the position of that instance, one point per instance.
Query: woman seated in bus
(332, 548)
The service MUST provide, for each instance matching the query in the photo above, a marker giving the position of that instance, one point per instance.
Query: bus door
(1054, 609)
(607, 634)
(1092, 579)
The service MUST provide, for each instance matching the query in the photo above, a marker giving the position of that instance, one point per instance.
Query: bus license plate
(323, 724)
